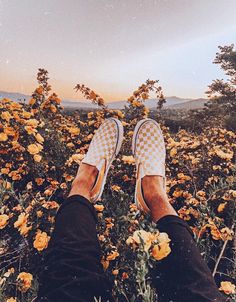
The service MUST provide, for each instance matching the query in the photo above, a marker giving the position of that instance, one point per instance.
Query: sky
(113, 46)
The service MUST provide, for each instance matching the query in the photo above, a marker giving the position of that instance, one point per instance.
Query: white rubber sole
(120, 130)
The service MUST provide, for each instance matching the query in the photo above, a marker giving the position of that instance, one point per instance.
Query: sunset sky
(113, 46)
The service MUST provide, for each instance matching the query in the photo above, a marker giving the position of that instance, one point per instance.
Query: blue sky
(113, 45)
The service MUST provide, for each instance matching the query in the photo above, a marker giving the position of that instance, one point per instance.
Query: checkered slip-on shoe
(149, 152)
(105, 145)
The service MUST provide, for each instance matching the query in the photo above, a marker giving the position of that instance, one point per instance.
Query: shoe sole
(120, 130)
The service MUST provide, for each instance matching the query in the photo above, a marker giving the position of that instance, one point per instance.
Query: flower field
(41, 147)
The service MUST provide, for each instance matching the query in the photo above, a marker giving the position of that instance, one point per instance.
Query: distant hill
(14, 96)
(193, 104)
(77, 104)
(151, 103)
(172, 102)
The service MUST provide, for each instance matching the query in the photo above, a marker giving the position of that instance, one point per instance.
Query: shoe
(148, 149)
(104, 147)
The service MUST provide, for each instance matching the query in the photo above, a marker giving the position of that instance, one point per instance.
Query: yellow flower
(221, 207)
(115, 272)
(11, 300)
(21, 224)
(162, 249)
(115, 188)
(39, 214)
(10, 131)
(5, 170)
(6, 116)
(224, 155)
(227, 287)
(119, 113)
(39, 138)
(3, 221)
(30, 130)
(201, 194)
(74, 130)
(184, 177)
(99, 207)
(10, 271)
(37, 157)
(227, 234)
(26, 114)
(142, 237)
(128, 159)
(113, 255)
(39, 90)
(101, 238)
(105, 264)
(177, 193)
(77, 158)
(39, 181)
(3, 137)
(90, 123)
(136, 103)
(34, 148)
(233, 193)
(70, 145)
(41, 240)
(173, 152)
(216, 235)
(32, 122)
(144, 96)
(90, 114)
(25, 281)
(15, 175)
(32, 102)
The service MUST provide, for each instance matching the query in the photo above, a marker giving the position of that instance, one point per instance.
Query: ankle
(84, 181)
(80, 187)
(153, 190)
(156, 198)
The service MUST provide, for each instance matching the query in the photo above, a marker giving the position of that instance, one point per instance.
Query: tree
(222, 93)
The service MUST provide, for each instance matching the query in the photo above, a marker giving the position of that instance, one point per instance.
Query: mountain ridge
(172, 102)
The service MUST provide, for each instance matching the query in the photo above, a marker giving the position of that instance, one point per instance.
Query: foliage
(221, 107)
(224, 93)
(41, 148)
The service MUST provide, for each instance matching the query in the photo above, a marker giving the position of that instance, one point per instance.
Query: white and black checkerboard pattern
(150, 149)
(103, 144)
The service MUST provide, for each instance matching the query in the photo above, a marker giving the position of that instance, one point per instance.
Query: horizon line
(121, 100)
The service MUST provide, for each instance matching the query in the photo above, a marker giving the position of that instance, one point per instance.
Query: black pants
(73, 271)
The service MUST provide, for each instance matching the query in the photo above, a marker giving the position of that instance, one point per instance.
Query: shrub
(41, 148)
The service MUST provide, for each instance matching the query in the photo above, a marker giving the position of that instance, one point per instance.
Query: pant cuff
(83, 201)
(173, 219)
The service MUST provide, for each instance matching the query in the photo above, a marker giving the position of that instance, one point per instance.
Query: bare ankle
(80, 187)
(84, 181)
(156, 198)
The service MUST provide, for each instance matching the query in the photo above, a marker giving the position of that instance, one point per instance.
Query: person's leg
(73, 271)
(72, 268)
(182, 276)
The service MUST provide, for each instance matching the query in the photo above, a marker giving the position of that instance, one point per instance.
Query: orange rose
(25, 280)
(3, 137)
(227, 287)
(34, 148)
(41, 241)
(3, 221)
